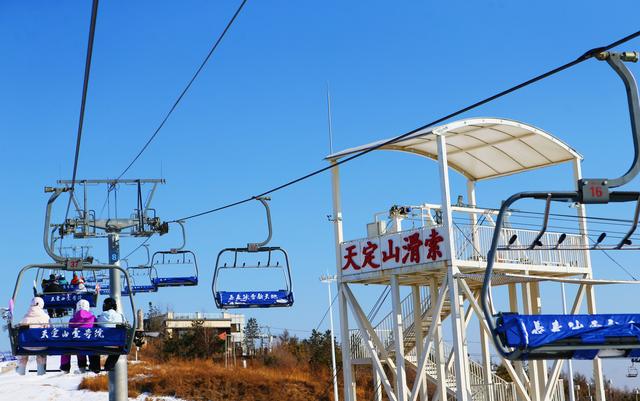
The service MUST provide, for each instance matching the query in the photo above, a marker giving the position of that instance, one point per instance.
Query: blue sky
(256, 116)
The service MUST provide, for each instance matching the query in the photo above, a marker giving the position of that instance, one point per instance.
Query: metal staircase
(498, 389)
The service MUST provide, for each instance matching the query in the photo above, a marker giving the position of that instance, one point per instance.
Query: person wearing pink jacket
(83, 318)
(35, 317)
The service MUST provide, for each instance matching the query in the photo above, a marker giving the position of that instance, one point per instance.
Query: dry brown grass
(203, 380)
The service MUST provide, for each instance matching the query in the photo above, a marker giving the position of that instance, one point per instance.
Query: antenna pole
(329, 279)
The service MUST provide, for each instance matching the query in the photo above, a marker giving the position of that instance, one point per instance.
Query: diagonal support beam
(368, 343)
(468, 313)
(428, 340)
(512, 372)
(357, 310)
(372, 333)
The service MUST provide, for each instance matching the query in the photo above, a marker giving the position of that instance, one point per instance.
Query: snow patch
(54, 386)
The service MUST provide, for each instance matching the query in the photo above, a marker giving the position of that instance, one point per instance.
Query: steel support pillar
(457, 308)
(441, 359)
(591, 297)
(534, 379)
(347, 375)
(398, 340)
(377, 385)
(513, 307)
(597, 362)
(486, 364)
(540, 366)
(417, 328)
(118, 382)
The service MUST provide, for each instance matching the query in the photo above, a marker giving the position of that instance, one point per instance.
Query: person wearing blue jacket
(110, 317)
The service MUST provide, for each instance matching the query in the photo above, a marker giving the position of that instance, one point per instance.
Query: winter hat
(38, 302)
(109, 303)
(82, 304)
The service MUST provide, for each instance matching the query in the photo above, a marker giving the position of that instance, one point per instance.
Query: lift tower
(142, 222)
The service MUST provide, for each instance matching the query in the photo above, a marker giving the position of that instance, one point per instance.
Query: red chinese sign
(406, 248)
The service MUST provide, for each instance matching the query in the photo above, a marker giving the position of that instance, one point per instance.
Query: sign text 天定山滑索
(391, 251)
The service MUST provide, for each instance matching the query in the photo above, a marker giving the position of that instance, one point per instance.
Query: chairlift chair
(145, 270)
(63, 339)
(163, 260)
(282, 297)
(65, 299)
(530, 337)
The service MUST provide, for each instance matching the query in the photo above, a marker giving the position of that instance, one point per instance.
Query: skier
(53, 287)
(110, 317)
(35, 317)
(83, 318)
(75, 280)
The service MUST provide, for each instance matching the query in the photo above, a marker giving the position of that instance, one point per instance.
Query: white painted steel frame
(457, 324)
(538, 387)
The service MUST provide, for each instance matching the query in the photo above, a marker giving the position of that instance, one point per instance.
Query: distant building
(175, 323)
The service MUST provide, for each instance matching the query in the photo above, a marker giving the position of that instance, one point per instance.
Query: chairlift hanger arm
(56, 192)
(184, 237)
(254, 246)
(536, 241)
(616, 61)
(596, 190)
(148, 262)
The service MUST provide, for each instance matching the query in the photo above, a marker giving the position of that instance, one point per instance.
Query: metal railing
(493, 392)
(473, 244)
(472, 241)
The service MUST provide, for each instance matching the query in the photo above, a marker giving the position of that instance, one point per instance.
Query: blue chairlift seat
(64, 340)
(571, 336)
(125, 290)
(175, 281)
(162, 259)
(144, 288)
(254, 299)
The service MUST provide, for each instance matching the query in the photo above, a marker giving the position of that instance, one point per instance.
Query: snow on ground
(54, 386)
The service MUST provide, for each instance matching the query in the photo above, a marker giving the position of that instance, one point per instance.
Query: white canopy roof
(482, 148)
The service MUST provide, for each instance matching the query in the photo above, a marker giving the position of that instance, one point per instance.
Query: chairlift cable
(565, 230)
(138, 247)
(608, 255)
(184, 91)
(586, 56)
(607, 220)
(85, 87)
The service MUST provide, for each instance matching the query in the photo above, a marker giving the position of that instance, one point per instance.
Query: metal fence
(474, 243)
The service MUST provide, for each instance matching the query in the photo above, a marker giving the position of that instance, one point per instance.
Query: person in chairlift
(110, 317)
(83, 318)
(35, 317)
